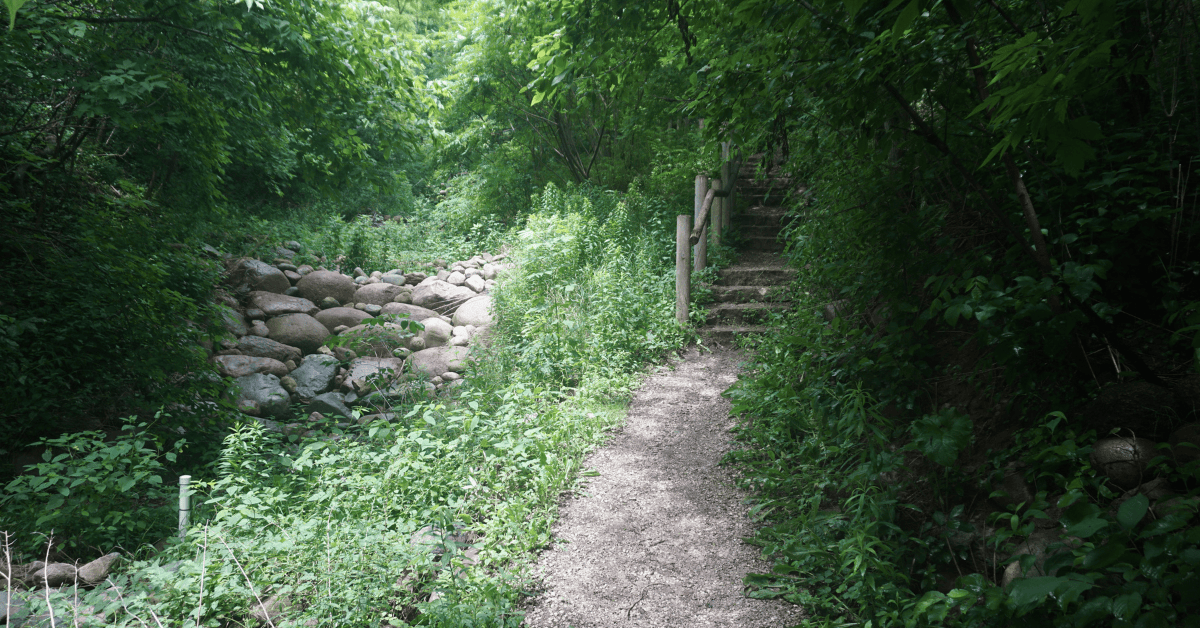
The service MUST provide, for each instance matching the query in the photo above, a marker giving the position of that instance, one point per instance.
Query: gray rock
(476, 283)
(293, 245)
(231, 320)
(415, 278)
(284, 253)
(261, 395)
(456, 278)
(441, 296)
(298, 330)
(368, 373)
(450, 376)
(459, 341)
(1123, 460)
(266, 348)
(292, 292)
(437, 332)
(304, 269)
(1135, 407)
(403, 297)
(329, 302)
(477, 312)
(286, 267)
(315, 375)
(488, 271)
(54, 575)
(210, 251)
(242, 365)
(405, 310)
(359, 272)
(319, 284)
(373, 310)
(255, 314)
(288, 383)
(97, 570)
(292, 276)
(377, 293)
(395, 280)
(336, 316)
(362, 281)
(251, 274)
(434, 361)
(330, 404)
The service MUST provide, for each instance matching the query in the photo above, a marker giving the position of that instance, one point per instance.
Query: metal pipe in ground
(185, 504)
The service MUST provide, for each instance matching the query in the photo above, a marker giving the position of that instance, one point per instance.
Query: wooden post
(728, 182)
(683, 277)
(700, 255)
(717, 213)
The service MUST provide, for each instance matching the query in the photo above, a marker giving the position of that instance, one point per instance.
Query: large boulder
(337, 316)
(251, 274)
(1138, 407)
(241, 365)
(477, 312)
(434, 361)
(315, 375)
(278, 304)
(260, 347)
(96, 571)
(298, 330)
(376, 340)
(1123, 460)
(406, 310)
(232, 320)
(371, 373)
(437, 332)
(377, 293)
(319, 284)
(330, 404)
(441, 296)
(261, 394)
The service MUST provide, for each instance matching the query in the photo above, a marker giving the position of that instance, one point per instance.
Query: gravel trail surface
(656, 538)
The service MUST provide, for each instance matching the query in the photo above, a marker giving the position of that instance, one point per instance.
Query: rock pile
(329, 340)
(25, 584)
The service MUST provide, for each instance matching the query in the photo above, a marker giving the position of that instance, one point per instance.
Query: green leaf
(852, 6)
(907, 17)
(1031, 591)
(1103, 556)
(13, 6)
(1133, 510)
(941, 436)
(1127, 605)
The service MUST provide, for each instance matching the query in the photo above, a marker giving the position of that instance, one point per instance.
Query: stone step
(761, 216)
(744, 313)
(748, 294)
(760, 231)
(757, 275)
(763, 243)
(729, 333)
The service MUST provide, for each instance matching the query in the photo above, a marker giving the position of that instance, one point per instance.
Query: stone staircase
(750, 290)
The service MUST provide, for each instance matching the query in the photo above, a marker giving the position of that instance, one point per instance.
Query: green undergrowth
(921, 367)
(330, 521)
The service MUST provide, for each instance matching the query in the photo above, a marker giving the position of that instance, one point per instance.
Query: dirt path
(655, 540)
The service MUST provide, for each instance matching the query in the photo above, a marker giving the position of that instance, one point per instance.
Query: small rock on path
(657, 538)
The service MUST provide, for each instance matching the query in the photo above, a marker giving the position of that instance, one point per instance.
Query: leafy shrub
(91, 493)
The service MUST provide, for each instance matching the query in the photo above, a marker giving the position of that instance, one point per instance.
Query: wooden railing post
(683, 277)
(701, 253)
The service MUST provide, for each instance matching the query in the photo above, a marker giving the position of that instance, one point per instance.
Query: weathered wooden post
(683, 277)
(701, 252)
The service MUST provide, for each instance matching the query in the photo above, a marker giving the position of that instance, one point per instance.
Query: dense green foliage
(997, 214)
